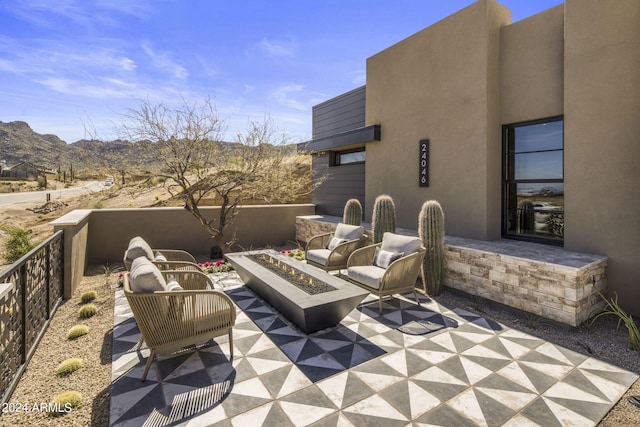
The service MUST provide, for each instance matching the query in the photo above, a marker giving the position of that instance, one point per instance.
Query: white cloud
(162, 61)
(295, 96)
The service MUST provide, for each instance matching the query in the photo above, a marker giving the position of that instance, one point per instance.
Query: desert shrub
(17, 244)
(69, 366)
(88, 296)
(65, 402)
(77, 331)
(86, 311)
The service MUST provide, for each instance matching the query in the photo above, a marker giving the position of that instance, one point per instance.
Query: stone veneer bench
(544, 280)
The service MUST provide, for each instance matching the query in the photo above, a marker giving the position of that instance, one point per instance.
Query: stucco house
(526, 131)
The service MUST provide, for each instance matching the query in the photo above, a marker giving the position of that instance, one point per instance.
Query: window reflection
(534, 181)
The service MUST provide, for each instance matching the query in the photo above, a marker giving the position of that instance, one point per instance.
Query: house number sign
(423, 176)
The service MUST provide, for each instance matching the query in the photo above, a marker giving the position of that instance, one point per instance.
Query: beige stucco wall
(532, 68)
(602, 137)
(75, 226)
(255, 226)
(440, 84)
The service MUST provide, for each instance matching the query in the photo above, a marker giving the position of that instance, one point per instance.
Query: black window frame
(507, 131)
(335, 157)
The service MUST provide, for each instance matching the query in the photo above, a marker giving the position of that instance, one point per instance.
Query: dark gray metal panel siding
(342, 183)
(340, 114)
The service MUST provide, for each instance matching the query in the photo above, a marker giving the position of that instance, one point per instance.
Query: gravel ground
(40, 382)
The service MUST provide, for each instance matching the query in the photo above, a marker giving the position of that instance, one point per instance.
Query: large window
(533, 175)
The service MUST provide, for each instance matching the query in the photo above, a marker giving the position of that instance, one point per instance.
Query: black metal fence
(26, 309)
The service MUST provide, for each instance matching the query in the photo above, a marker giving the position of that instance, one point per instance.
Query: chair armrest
(343, 250)
(189, 280)
(363, 256)
(319, 242)
(175, 255)
(402, 270)
(177, 265)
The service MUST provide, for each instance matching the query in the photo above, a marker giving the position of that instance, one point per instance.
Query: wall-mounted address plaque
(423, 176)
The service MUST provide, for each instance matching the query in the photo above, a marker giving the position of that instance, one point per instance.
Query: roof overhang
(344, 140)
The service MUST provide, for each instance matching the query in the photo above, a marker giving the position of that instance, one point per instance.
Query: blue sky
(71, 65)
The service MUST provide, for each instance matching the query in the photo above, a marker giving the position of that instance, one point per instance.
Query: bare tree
(260, 166)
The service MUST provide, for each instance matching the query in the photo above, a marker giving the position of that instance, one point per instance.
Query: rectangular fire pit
(316, 301)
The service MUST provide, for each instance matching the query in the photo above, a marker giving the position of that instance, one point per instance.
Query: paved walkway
(387, 370)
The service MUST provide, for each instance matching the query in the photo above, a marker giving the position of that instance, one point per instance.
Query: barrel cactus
(383, 218)
(352, 212)
(431, 230)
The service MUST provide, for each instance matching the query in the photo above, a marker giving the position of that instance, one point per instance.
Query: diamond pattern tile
(373, 369)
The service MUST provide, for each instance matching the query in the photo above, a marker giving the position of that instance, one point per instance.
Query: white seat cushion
(368, 275)
(145, 276)
(319, 256)
(348, 232)
(398, 243)
(138, 247)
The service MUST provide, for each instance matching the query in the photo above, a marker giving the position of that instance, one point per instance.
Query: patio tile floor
(364, 372)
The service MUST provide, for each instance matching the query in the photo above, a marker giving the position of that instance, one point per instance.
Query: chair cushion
(145, 276)
(319, 256)
(348, 232)
(368, 275)
(334, 242)
(383, 258)
(398, 243)
(138, 247)
(173, 285)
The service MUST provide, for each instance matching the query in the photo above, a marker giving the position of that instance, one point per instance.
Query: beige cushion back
(398, 243)
(348, 232)
(138, 247)
(145, 276)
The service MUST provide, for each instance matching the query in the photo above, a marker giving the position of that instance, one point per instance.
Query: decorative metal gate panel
(27, 308)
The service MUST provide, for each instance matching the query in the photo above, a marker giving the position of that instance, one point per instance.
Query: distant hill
(19, 143)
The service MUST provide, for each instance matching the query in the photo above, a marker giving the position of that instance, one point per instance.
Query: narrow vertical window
(533, 174)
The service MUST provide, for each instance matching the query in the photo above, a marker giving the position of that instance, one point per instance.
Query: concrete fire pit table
(309, 297)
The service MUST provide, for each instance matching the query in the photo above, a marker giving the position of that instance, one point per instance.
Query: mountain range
(19, 143)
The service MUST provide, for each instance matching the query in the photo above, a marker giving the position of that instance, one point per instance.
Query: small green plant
(17, 244)
(77, 331)
(86, 311)
(533, 321)
(88, 296)
(65, 402)
(108, 270)
(613, 307)
(69, 366)
(98, 204)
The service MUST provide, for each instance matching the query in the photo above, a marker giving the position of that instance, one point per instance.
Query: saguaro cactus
(352, 212)
(383, 218)
(526, 217)
(431, 230)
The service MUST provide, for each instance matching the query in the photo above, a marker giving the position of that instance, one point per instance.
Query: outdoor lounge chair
(387, 268)
(176, 310)
(330, 251)
(165, 259)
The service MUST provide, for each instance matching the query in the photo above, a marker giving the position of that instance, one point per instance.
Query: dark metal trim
(344, 139)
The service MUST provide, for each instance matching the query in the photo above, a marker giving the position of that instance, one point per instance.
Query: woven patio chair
(176, 310)
(387, 268)
(330, 251)
(165, 259)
